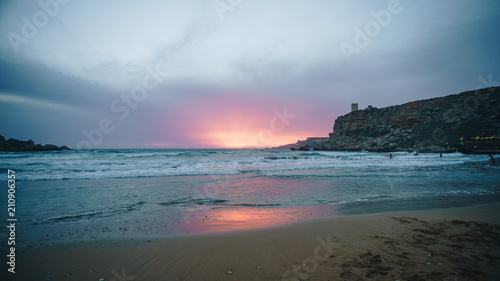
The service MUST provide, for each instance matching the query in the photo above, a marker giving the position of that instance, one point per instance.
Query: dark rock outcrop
(13, 145)
(305, 147)
(432, 125)
(306, 144)
(292, 146)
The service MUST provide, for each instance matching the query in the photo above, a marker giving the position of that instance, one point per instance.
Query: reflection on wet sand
(247, 201)
(204, 220)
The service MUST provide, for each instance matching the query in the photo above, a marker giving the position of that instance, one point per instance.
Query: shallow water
(94, 194)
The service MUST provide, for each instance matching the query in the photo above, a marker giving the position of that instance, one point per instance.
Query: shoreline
(433, 244)
(226, 220)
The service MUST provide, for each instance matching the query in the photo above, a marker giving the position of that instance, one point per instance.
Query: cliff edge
(432, 125)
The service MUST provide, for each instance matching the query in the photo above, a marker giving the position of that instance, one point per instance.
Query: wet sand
(448, 244)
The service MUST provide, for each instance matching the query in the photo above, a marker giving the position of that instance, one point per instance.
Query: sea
(85, 195)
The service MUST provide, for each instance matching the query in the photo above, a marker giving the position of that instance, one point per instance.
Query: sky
(229, 73)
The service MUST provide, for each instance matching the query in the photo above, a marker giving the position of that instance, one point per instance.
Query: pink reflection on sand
(238, 202)
(241, 218)
(244, 190)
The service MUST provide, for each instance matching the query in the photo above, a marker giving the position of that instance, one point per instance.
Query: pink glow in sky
(244, 121)
(220, 78)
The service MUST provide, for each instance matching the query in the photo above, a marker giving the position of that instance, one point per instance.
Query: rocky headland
(432, 125)
(13, 145)
(303, 145)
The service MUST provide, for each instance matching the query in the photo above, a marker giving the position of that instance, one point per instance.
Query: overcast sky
(229, 73)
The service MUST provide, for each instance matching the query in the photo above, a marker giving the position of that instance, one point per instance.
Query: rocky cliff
(433, 125)
(13, 145)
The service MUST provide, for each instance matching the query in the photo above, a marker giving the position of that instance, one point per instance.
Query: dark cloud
(262, 56)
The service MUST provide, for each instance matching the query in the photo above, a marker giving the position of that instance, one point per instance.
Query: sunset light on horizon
(193, 74)
(250, 139)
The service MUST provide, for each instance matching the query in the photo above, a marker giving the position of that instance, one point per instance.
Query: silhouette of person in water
(492, 161)
(390, 156)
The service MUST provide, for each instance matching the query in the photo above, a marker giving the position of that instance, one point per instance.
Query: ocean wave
(281, 158)
(78, 217)
(190, 201)
(149, 155)
(13, 155)
(139, 164)
(256, 205)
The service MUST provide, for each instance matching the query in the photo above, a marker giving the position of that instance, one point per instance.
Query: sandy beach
(447, 244)
(233, 140)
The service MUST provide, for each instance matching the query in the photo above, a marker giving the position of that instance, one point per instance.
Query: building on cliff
(432, 125)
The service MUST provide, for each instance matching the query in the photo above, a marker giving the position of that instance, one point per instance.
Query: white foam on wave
(127, 164)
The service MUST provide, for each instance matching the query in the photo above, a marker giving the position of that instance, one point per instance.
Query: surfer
(492, 161)
(390, 156)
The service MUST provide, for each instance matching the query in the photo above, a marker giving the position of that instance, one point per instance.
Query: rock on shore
(13, 145)
(432, 125)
